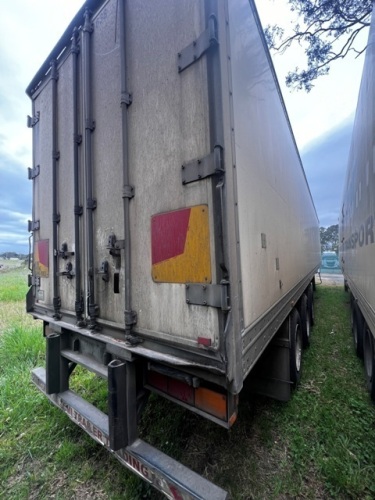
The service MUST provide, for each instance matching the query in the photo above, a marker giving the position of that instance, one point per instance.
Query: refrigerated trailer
(357, 248)
(175, 240)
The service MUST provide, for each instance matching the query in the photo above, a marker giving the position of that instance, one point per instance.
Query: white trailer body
(357, 250)
(173, 228)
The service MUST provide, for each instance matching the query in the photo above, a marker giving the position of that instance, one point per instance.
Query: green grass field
(319, 445)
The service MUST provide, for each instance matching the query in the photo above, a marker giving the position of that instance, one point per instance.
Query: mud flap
(271, 375)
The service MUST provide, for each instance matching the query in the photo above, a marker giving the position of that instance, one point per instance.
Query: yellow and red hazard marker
(41, 258)
(180, 246)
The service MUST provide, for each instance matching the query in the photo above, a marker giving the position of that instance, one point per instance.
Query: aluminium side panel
(357, 251)
(231, 241)
(278, 226)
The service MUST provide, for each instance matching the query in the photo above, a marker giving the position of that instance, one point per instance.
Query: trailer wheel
(310, 304)
(369, 361)
(305, 321)
(295, 335)
(358, 330)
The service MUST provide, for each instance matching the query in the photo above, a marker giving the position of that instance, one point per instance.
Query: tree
(329, 32)
(329, 238)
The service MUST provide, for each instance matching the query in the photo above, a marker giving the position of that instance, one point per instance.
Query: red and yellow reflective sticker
(180, 246)
(41, 258)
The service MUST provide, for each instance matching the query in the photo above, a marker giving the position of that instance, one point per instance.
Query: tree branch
(326, 23)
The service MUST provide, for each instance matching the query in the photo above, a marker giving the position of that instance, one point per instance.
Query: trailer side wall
(278, 225)
(357, 251)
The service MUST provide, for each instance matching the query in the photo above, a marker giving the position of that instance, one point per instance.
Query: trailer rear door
(171, 150)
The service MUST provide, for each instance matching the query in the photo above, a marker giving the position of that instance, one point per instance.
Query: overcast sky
(321, 120)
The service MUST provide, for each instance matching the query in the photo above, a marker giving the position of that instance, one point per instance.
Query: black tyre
(305, 321)
(351, 311)
(295, 335)
(358, 329)
(310, 304)
(369, 361)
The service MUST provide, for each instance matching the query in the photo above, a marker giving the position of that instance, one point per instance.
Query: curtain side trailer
(175, 240)
(357, 243)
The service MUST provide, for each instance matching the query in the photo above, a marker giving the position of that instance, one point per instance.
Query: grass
(321, 444)
(13, 284)
(328, 427)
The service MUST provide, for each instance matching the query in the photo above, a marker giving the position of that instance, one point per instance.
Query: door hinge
(201, 168)
(63, 253)
(104, 271)
(90, 124)
(33, 172)
(126, 98)
(216, 295)
(114, 246)
(130, 318)
(91, 204)
(33, 280)
(128, 192)
(69, 273)
(190, 54)
(33, 120)
(33, 225)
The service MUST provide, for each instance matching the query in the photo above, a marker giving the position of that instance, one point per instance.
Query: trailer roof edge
(61, 45)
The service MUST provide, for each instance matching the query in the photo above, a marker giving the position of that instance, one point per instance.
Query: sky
(321, 120)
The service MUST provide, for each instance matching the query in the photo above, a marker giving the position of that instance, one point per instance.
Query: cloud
(15, 206)
(38, 26)
(325, 161)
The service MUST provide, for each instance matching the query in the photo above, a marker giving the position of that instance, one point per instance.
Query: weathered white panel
(358, 210)
(107, 156)
(65, 179)
(168, 125)
(42, 202)
(273, 196)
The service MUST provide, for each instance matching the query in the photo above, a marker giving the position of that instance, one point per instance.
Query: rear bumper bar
(166, 474)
